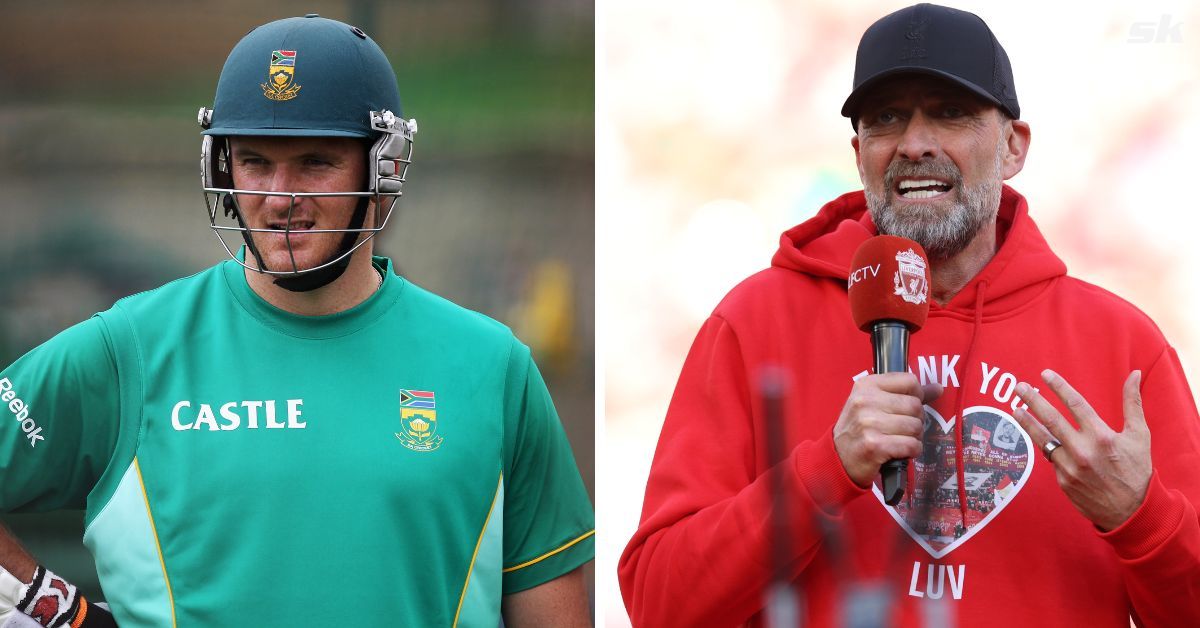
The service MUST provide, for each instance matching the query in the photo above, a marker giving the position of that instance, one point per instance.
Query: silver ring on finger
(1049, 448)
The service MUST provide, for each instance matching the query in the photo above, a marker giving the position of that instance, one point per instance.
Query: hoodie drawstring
(962, 395)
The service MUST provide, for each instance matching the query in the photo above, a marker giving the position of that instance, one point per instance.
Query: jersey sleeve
(59, 419)
(548, 519)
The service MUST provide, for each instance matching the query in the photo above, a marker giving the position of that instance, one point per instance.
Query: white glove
(52, 600)
(20, 620)
(10, 595)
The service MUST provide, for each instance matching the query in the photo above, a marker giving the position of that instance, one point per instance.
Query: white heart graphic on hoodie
(996, 462)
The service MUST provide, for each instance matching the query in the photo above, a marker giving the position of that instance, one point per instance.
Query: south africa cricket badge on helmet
(418, 420)
(281, 77)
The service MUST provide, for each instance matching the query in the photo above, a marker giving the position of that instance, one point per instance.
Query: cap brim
(854, 101)
(285, 132)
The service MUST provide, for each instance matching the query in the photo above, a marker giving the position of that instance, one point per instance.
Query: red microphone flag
(889, 280)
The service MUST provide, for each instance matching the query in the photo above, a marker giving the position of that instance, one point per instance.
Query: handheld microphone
(889, 298)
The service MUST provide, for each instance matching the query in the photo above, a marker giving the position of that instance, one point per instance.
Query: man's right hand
(883, 419)
(48, 600)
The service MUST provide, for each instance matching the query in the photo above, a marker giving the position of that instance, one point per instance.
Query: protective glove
(10, 595)
(50, 601)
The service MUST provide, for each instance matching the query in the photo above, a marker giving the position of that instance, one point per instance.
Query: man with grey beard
(754, 488)
(942, 234)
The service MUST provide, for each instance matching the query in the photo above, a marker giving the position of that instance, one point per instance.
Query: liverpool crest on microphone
(910, 279)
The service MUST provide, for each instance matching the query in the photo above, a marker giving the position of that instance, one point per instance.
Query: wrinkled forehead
(916, 88)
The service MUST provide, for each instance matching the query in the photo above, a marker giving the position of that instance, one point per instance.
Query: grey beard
(942, 234)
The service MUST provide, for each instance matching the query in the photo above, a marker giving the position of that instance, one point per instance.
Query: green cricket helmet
(306, 77)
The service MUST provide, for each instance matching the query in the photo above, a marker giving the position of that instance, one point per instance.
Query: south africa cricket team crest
(418, 420)
(281, 77)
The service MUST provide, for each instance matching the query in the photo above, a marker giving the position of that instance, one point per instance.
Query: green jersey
(400, 463)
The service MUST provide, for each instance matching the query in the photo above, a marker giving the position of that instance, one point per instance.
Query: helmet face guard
(387, 166)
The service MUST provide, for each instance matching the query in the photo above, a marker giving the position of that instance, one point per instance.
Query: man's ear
(857, 154)
(1016, 148)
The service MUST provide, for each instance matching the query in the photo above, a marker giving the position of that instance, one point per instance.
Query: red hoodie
(1008, 549)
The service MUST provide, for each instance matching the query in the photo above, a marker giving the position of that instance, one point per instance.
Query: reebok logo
(21, 412)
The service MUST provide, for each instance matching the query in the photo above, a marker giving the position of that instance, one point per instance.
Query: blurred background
(100, 187)
(718, 129)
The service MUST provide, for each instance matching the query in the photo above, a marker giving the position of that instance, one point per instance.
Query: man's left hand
(1104, 473)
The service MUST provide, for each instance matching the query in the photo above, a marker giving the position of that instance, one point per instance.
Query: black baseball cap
(936, 41)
